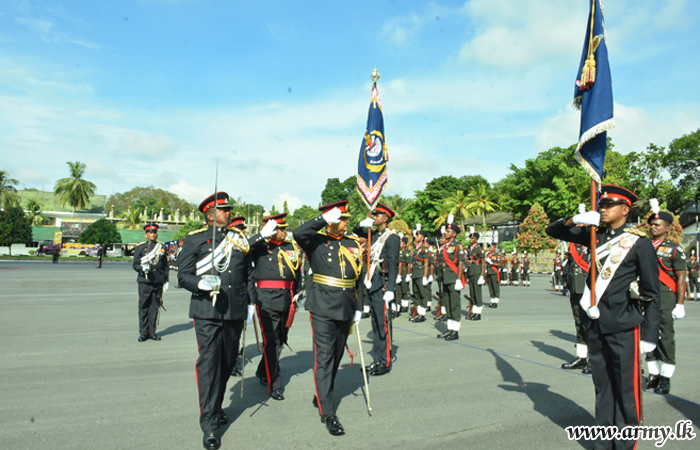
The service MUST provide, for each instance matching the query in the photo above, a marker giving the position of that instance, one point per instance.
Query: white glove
(408, 278)
(593, 312)
(310, 271)
(166, 285)
(251, 311)
(425, 281)
(398, 278)
(368, 283)
(646, 346)
(458, 285)
(430, 279)
(388, 296)
(332, 216)
(678, 312)
(587, 218)
(296, 297)
(481, 281)
(269, 229)
(358, 316)
(488, 260)
(204, 285)
(367, 223)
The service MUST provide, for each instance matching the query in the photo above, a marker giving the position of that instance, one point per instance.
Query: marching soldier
(432, 259)
(693, 277)
(418, 272)
(525, 264)
(217, 277)
(576, 280)
(672, 274)
(275, 279)
(558, 266)
(151, 264)
(331, 299)
(613, 324)
(441, 314)
(452, 257)
(383, 270)
(505, 273)
(475, 274)
(515, 270)
(493, 275)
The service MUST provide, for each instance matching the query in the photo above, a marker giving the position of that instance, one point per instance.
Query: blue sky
(153, 92)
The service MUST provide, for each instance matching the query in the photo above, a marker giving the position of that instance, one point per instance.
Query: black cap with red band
(383, 209)
(279, 218)
(151, 227)
(609, 193)
(221, 200)
(341, 205)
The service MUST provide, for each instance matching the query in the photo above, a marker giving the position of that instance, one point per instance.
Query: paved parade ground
(73, 375)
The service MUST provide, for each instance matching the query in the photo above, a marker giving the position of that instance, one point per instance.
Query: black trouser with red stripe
(274, 331)
(380, 328)
(217, 343)
(614, 361)
(149, 302)
(329, 338)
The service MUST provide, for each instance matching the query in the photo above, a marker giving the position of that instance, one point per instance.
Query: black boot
(577, 363)
(664, 386)
(652, 382)
(587, 369)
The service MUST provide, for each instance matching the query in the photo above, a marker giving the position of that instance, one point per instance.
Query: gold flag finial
(375, 74)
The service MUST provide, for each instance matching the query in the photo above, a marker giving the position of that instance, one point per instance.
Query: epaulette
(201, 230)
(353, 237)
(636, 231)
(140, 243)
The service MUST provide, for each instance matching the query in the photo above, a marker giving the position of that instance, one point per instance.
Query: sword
(243, 362)
(364, 371)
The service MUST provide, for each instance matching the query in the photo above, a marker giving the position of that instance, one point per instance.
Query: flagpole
(592, 265)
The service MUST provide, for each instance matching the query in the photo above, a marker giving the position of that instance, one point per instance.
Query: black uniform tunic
(613, 339)
(273, 303)
(384, 277)
(493, 275)
(474, 256)
(420, 267)
(331, 308)
(217, 328)
(576, 280)
(151, 286)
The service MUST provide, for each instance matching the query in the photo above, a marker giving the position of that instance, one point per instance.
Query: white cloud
(148, 145)
(292, 202)
(189, 192)
(35, 24)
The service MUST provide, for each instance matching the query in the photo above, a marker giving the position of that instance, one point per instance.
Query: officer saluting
(383, 270)
(218, 317)
(151, 264)
(275, 280)
(613, 324)
(336, 265)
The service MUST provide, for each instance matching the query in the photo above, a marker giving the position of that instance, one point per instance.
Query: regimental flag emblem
(593, 95)
(371, 167)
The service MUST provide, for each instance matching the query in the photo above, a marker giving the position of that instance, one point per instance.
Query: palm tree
(8, 192)
(133, 218)
(74, 191)
(479, 203)
(34, 209)
(455, 205)
(397, 204)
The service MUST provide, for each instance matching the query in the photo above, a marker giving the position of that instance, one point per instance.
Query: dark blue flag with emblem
(371, 168)
(593, 95)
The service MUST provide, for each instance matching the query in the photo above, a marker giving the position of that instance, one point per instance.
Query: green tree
(151, 199)
(336, 191)
(478, 202)
(532, 236)
(683, 163)
(302, 215)
(188, 227)
(646, 171)
(457, 205)
(285, 207)
(8, 191)
(397, 204)
(15, 227)
(34, 210)
(132, 219)
(75, 190)
(101, 231)
(428, 203)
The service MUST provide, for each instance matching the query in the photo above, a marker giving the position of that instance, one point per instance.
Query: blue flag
(371, 168)
(593, 95)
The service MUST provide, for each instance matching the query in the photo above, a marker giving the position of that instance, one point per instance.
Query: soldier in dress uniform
(151, 264)
(493, 275)
(576, 271)
(452, 257)
(476, 274)
(505, 272)
(693, 277)
(418, 273)
(525, 264)
(515, 270)
(558, 266)
(331, 299)
(401, 287)
(216, 251)
(275, 280)
(439, 271)
(613, 324)
(383, 270)
(430, 242)
(362, 297)
(672, 274)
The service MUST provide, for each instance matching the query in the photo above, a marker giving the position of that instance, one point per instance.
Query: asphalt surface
(73, 375)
